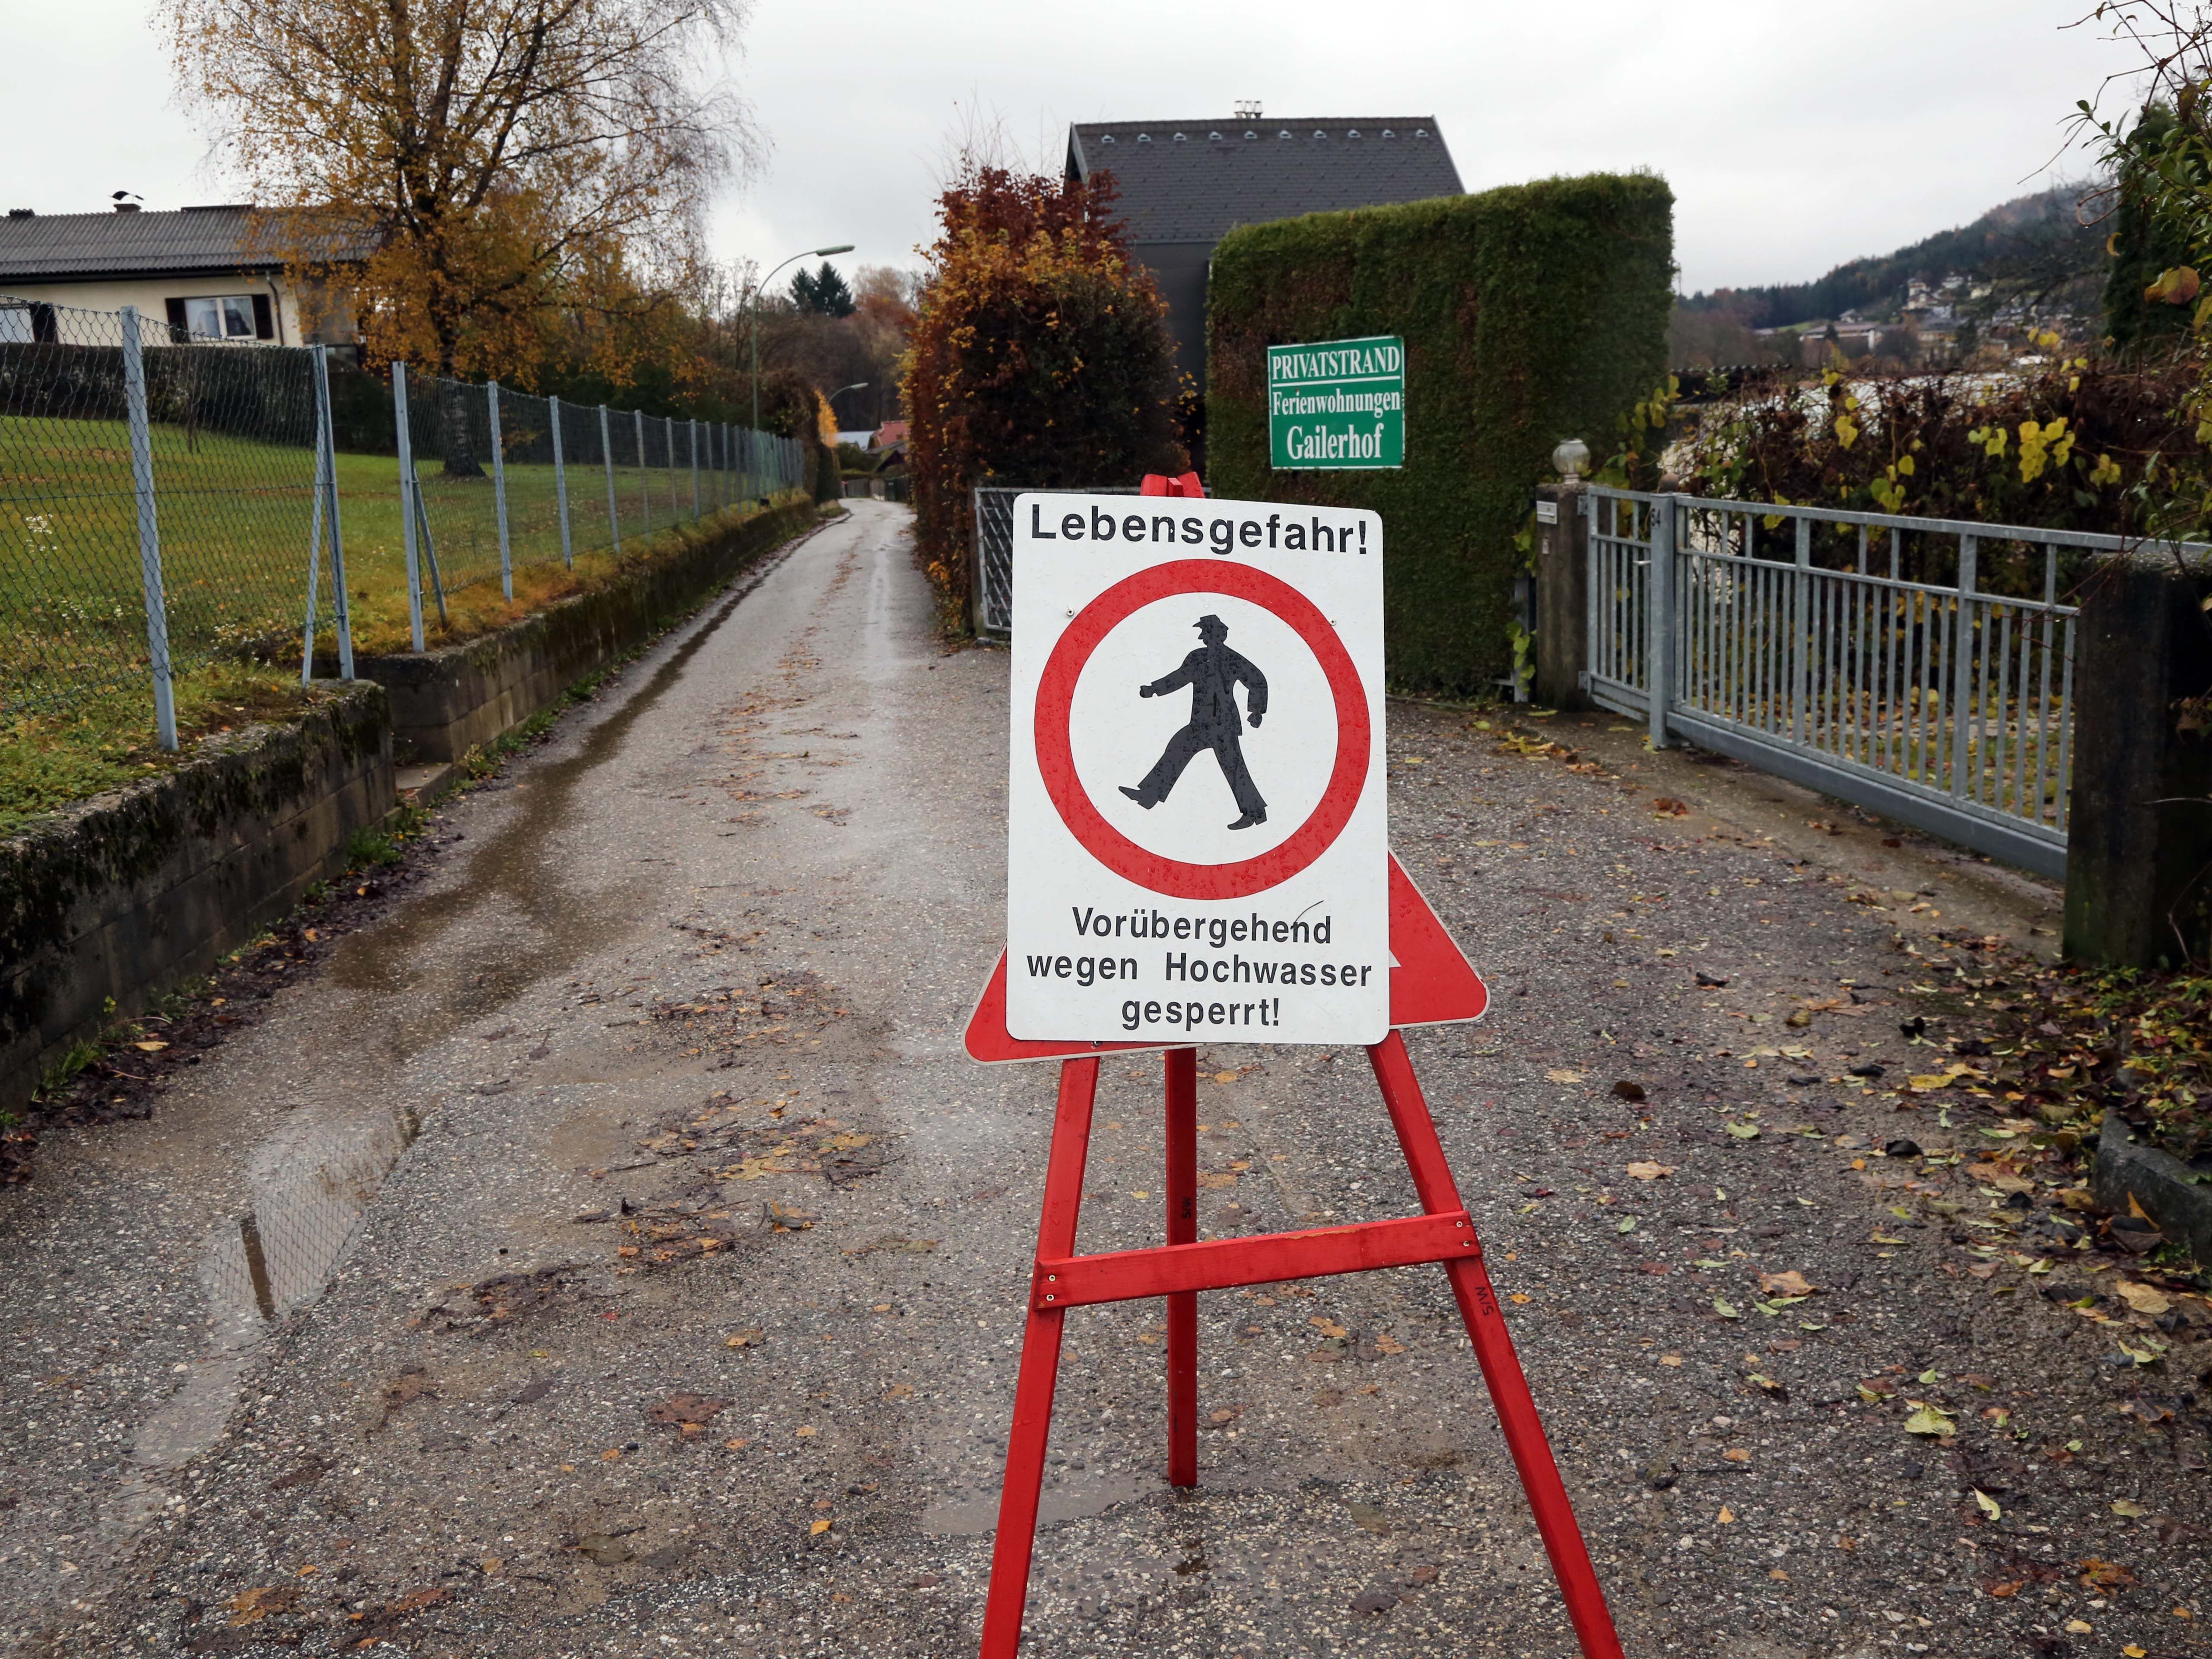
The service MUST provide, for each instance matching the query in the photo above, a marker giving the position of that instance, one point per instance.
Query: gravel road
(606, 1249)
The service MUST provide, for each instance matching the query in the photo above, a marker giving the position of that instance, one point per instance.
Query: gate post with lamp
(1563, 582)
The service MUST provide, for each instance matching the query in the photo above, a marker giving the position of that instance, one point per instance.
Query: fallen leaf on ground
(1560, 1074)
(249, 1606)
(2130, 1507)
(1726, 1516)
(1988, 1504)
(744, 1339)
(1929, 1420)
(1737, 1454)
(1628, 1091)
(2143, 1298)
(1725, 1309)
(807, 1430)
(817, 1529)
(1329, 1327)
(1649, 1171)
(694, 1409)
(1790, 1283)
(2105, 1574)
(151, 1046)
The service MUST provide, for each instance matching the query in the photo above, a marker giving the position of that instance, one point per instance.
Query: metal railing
(1922, 668)
(994, 548)
(169, 502)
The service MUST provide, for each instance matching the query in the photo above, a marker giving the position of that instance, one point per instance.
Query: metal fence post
(607, 455)
(1659, 619)
(341, 618)
(1800, 646)
(694, 471)
(407, 483)
(561, 484)
(1962, 671)
(315, 563)
(149, 532)
(498, 491)
(644, 472)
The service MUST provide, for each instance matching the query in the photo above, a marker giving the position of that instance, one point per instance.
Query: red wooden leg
(1040, 1372)
(1501, 1367)
(1182, 1229)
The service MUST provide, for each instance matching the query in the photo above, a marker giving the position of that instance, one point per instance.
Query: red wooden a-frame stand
(1431, 983)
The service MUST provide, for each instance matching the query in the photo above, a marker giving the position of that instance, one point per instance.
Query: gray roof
(221, 242)
(1195, 181)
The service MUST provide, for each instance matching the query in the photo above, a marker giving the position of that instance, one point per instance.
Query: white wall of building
(152, 295)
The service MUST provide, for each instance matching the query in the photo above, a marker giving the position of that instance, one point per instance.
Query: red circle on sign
(1056, 756)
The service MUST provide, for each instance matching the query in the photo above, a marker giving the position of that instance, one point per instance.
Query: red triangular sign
(1431, 983)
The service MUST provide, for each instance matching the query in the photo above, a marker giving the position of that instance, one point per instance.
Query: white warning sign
(1197, 836)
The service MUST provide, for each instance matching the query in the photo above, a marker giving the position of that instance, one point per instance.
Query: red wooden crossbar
(1183, 1268)
(1222, 1264)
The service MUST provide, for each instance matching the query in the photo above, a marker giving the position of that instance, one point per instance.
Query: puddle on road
(1071, 1501)
(311, 1185)
(548, 926)
(310, 1188)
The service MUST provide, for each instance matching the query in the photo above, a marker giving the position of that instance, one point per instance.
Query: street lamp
(857, 386)
(810, 253)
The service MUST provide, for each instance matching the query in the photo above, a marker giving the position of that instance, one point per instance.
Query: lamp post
(857, 386)
(810, 253)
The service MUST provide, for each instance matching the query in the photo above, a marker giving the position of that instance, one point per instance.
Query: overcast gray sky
(1794, 136)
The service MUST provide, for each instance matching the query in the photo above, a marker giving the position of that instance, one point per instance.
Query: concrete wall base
(125, 895)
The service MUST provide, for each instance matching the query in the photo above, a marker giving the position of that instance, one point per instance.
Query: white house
(211, 273)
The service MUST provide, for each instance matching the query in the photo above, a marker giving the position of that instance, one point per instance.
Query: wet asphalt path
(684, 1322)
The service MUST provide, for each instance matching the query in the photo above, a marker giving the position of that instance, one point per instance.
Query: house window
(224, 316)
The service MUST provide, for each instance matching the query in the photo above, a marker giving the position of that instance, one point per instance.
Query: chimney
(22, 213)
(126, 207)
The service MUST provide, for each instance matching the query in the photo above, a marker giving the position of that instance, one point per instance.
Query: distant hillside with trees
(2032, 245)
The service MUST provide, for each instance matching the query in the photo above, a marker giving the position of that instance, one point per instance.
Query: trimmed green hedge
(1530, 313)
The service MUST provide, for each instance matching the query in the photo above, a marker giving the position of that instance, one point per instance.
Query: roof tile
(1195, 181)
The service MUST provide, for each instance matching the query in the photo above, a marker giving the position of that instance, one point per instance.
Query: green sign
(1338, 404)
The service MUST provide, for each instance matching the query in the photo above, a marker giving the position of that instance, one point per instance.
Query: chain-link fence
(157, 501)
(169, 502)
(502, 479)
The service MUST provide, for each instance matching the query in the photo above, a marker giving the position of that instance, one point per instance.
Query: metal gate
(1922, 668)
(994, 548)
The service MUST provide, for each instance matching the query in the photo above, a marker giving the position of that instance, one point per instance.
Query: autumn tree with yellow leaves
(533, 175)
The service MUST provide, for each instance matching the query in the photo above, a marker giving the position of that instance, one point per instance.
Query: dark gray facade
(1185, 184)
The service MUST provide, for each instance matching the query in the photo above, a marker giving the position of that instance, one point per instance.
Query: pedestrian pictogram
(1425, 980)
(1196, 834)
(1212, 672)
